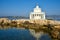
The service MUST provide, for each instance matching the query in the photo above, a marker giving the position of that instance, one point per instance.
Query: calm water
(19, 34)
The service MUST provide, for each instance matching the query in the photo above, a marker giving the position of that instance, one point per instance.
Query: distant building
(37, 14)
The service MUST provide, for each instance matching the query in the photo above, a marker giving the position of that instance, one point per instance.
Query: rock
(55, 34)
(57, 27)
(4, 20)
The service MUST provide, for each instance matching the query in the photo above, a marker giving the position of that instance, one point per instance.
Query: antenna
(37, 4)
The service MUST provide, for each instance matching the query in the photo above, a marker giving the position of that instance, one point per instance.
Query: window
(33, 14)
(37, 14)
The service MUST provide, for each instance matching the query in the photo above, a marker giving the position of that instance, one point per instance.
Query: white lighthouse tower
(37, 14)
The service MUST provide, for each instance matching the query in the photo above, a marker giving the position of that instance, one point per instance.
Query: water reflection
(45, 37)
(39, 35)
(21, 34)
(15, 34)
(36, 35)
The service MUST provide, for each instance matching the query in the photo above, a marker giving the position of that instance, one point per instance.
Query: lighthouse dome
(37, 9)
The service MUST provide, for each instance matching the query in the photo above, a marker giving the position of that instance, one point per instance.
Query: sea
(49, 17)
(23, 34)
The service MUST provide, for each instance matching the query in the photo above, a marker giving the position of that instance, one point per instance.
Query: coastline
(20, 22)
(47, 26)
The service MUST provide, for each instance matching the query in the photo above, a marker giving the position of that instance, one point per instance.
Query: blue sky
(24, 7)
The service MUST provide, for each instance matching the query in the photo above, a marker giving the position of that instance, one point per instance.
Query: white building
(37, 14)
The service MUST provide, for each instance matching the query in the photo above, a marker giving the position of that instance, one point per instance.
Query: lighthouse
(37, 14)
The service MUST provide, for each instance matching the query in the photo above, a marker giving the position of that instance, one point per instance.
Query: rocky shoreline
(51, 27)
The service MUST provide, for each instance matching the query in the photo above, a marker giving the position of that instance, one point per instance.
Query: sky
(24, 7)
